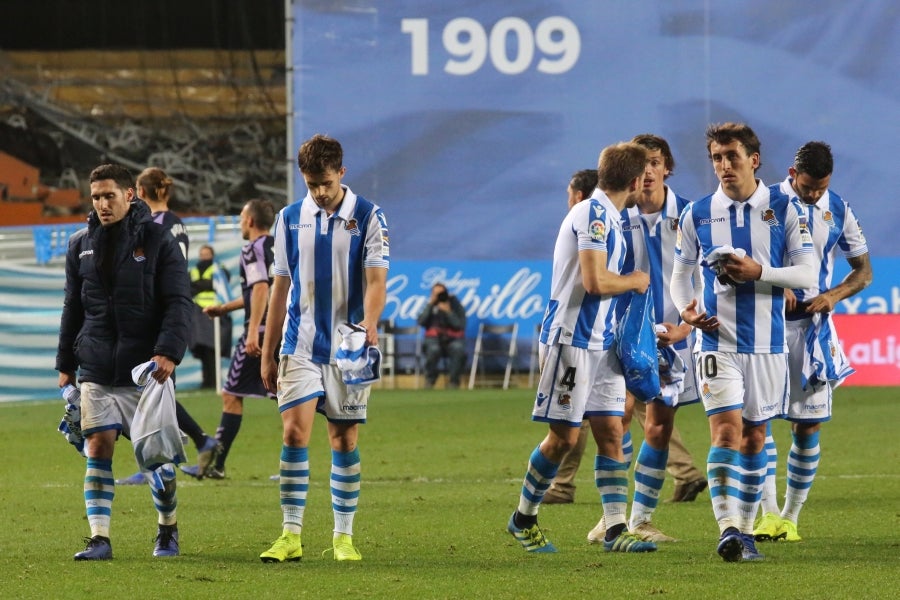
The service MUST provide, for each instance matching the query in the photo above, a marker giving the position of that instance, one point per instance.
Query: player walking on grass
(650, 230)
(127, 301)
(154, 187)
(834, 228)
(331, 263)
(244, 379)
(743, 235)
(581, 376)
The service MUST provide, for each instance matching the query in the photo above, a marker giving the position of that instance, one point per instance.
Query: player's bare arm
(856, 280)
(599, 280)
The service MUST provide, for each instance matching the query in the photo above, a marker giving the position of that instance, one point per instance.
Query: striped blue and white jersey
(772, 230)
(326, 257)
(650, 242)
(833, 227)
(574, 317)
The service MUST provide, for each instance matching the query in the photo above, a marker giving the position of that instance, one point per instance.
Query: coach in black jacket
(127, 301)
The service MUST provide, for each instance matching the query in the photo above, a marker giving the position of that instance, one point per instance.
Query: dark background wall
(141, 24)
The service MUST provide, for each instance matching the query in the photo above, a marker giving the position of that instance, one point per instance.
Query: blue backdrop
(465, 119)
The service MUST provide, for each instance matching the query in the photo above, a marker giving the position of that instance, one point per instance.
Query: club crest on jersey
(829, 219)
(768, 216)
(597, 229)
(352, 227)
(673, 224)
(138, 255)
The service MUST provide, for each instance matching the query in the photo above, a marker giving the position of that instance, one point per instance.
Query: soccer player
(581, 376)
(154, 187)
(244, 377)
(127, 301)
(331, 262)
(650, 230)
(834, 229)
(743, 235)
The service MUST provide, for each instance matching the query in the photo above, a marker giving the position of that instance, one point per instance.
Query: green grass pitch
(441, 474)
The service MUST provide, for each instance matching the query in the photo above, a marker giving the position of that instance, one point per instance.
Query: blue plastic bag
(636, 346)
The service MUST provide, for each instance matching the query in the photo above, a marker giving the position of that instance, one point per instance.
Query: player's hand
(673, 334)
(640, 281)
(790, 300)
(268, 371)
(165, 366)
(699, 320)
(742, 269)
(820, 304)
(216, 310)
(65, 379)
(251, 345)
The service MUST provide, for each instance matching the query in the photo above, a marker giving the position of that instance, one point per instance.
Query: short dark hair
(619, 165)
(584, 181)
(654, 142)
(725, 133)
(118, 173)
(814, 159)
(319, 154)
(262, 212)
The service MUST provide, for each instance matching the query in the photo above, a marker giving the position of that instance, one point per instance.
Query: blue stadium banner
(490, 291)
(464, 120)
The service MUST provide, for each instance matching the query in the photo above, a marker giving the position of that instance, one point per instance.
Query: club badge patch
(768, 217)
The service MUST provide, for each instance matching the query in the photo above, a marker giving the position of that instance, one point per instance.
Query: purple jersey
(173, 223)
(256, 266)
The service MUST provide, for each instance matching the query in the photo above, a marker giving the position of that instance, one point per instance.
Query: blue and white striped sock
(99, 490)
(611, 478)
(293, 484)
(162, 488)
(752, 477)
(537, 480)
(769, 500)
(723, 472)
(345, 482)
(649, 475)
(627, 449)
(803, 462)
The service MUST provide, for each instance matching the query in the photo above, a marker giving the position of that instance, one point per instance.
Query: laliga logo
(510, 300)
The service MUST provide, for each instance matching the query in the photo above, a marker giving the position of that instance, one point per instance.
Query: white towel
(824, 361)
(359, 364)
(154, 429)
(716, 259)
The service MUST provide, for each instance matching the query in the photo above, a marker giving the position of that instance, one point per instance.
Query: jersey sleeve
(281, 266)
(593, 227)
(378, 247)
(852, 241)
(254, 261)
(686, 246)
(796, 228)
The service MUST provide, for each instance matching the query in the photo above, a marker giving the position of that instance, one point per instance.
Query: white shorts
(805, 406)
(301, 380)
(755, 383)
(576, 383)
(105, 407)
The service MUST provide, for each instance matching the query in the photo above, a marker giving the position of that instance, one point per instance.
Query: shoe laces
(535, 535)
(282, 542)
(164, 536)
